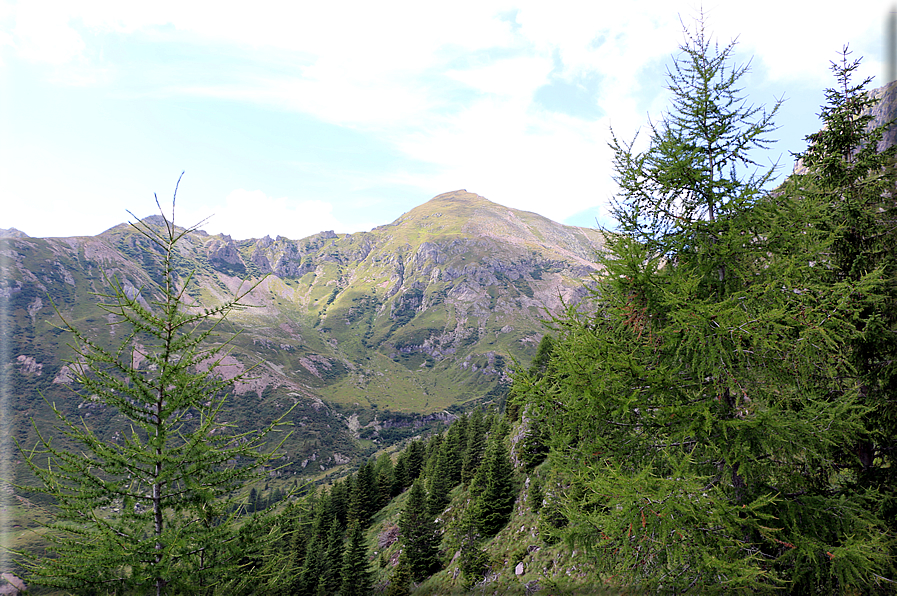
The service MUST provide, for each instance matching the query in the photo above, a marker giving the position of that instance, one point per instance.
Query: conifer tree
(856, 178)
(356, 571)
(536, 496)
(442, 480)
(692, 420)
(316, 547)
(400, 580)
(417, 452)
(400, 475)
(173, 477)
(419, 534)
(300, 534)
(384, 472)
(854, 175)
(433, 447)
(458, 439)
(340, 500)
(363, 498)
(495, 490)
(473, 560)
(476, 444)
(331, 570)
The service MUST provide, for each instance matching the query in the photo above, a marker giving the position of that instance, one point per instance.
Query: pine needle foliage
(848, 168)
(696, 419)
(156, 511)
(420, 534)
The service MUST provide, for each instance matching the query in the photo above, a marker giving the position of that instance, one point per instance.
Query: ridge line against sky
(344, 116)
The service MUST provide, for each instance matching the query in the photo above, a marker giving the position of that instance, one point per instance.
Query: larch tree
(690, 409)
(157, 510)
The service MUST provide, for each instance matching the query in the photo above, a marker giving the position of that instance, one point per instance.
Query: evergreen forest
(718, 415)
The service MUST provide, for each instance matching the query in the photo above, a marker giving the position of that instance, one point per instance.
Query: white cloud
(253, 214)
(43, 34)
(450, 85)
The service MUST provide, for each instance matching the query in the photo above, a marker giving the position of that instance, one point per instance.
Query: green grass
(554, 568)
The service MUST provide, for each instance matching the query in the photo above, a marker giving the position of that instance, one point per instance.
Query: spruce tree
(854, 175)
(356, 572)
(173, 478)
(441, 480)
(476, 444)
(400, 580)
(473, 561)
(363, 499)
(692, 418)
(400, 475)
(331, 570)
(384, 472)
(495, 491)
(417, 452)
(536, 496)
(420, 535)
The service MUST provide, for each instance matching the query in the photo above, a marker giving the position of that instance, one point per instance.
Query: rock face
(12, 233)
(394, 325)
(885, 111)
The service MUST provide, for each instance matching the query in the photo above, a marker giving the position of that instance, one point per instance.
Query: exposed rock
(29, 365)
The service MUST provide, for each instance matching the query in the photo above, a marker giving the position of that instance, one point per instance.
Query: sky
(290, 118)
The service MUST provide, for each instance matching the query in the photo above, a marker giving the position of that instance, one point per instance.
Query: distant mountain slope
(368, 332)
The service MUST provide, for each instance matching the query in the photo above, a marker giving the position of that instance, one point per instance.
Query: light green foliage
(697, 419)
(155, 508)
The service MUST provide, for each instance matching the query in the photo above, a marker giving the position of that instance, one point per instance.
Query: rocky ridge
(387, 328)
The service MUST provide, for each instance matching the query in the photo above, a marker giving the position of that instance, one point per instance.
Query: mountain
(372, 335)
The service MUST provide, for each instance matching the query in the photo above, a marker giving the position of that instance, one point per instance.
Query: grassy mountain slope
(372, 335)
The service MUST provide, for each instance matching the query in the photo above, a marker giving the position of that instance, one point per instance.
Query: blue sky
(342, 116)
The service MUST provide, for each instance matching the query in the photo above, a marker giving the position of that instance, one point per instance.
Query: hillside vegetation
(486, 403)
(370, 337)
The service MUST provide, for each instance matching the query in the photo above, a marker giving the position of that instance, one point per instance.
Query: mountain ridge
(370, 333)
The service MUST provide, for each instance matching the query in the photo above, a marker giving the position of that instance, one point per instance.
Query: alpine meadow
(700, 398)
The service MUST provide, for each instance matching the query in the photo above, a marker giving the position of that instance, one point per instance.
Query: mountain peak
(12, 233)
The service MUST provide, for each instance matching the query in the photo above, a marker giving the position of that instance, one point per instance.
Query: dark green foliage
(419, 534)
(494, 490)
(400, 580)
(433, 447)
(356, 572)
(540, 362)
(473, 560)
(365, 495)
(330, 573)
(340, 500)
(551, 516)
(440, 482)
(697, 421)
(855, 179)
(447, 471)
(417, 452)
(536, 496)
(476, 444)
(156, 509)
(385, 480)
(400, 475)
